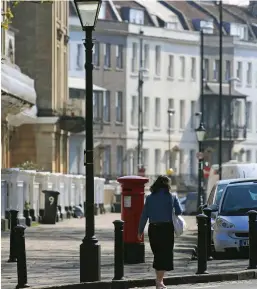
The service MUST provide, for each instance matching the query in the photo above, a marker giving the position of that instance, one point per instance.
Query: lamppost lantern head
(171, 111)
(200, 132)
(87, 11)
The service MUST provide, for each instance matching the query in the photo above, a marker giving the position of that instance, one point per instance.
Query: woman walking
(158, 208)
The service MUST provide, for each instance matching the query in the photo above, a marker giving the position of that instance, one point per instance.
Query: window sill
(157, 77)
(249, 85)
(193, 80)
(107, 68)
(171, 78)
(181, 130)
(133, 127)
(119, 123)
(157, 128)
(105, 122)
(96, 67)
(181, 79)
(145, 128)
(170, 129)
(119, 69)
(134, 75)
(238, 84)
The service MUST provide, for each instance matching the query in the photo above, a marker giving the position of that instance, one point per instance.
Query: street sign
(199, 155)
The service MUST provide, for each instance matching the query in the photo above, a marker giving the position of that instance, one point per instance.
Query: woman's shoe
(160, 285)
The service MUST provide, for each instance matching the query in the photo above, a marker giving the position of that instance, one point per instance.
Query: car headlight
(221, 223)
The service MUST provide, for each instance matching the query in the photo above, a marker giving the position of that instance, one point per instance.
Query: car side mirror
(214, 208)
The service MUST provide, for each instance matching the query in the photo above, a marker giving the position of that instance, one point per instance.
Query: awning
(79, 83)
(17, 84)
(213, 89)
(29, 115)
(18, 94)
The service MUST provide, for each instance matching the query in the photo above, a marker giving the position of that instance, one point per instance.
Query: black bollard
(252, 239)
(207, 212)
(21, 257)
(60, 211)
(13, 223)
(118, 250)
(70, 212)
(27, 217)
(32, 215)
(8, 218)
(41, 215)
(66, 209)
(201, 244)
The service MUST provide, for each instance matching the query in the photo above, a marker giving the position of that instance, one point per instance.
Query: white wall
(165, 88)
(246, 52)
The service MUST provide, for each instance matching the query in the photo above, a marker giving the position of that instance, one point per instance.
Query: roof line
(156, 24)
(206, 11)
(243, 19)
(181, 16)
(115, 11)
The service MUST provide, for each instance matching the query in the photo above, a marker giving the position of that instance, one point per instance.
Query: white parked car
(231, 229)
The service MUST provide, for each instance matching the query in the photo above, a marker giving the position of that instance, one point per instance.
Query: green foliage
(29, 166)
(27, 205)
(7, 15)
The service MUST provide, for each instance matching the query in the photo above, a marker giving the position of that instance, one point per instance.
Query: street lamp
(89, 249)
(171, 112)
(200, 134)
(230, 81)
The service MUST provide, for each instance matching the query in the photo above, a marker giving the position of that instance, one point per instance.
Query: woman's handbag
(178, 222)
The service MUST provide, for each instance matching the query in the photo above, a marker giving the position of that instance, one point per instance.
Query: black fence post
(118, 250)
(252, 239)
(201, 244)
(13, 214)
(207, 212)
(21, 257)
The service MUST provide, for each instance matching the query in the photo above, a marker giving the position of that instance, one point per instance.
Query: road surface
(251, 284)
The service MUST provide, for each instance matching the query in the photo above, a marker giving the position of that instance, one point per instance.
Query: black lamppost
(200, 134)
(171, 112)
(220, 85)
(89, 249)
(231, 126)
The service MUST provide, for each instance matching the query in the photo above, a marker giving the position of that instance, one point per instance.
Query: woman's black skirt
(161, 237)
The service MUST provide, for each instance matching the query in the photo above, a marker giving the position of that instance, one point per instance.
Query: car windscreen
(238, 200)
(220, 189)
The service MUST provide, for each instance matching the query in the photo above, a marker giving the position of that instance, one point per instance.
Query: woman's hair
(162, 182)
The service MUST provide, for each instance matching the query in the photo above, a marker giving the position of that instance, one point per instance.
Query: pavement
(249, 284)
(53, 254)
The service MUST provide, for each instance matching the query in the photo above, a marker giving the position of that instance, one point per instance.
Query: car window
(220, 190)
(238, 200)
(211, 196)
(191, 196)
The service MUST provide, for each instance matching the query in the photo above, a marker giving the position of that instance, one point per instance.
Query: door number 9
(51, 200)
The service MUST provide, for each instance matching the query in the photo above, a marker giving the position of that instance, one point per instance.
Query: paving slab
(53, 252)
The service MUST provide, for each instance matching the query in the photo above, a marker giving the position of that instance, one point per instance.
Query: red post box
(132, 203)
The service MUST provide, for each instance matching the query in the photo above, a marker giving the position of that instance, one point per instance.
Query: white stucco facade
(164, 86)
(247, 53)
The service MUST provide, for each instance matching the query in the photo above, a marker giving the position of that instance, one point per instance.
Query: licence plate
(244, 243)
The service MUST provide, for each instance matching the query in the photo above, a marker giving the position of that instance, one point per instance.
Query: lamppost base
(202, 273)
(90, 262)
(22, 286)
